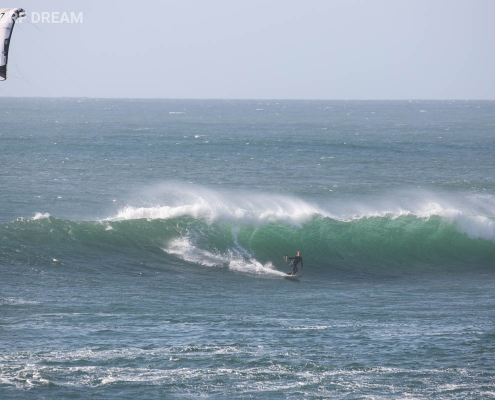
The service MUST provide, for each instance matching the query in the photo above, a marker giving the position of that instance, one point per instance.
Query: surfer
(295, 260)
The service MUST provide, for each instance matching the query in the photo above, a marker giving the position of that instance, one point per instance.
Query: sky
(253, 49)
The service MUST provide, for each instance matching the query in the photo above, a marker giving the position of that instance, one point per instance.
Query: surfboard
(293, 277)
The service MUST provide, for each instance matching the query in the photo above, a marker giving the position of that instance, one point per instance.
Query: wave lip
(475, 226)
(243, 208)
(260, 210)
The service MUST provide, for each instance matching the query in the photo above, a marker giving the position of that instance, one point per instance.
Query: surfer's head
(298, 254)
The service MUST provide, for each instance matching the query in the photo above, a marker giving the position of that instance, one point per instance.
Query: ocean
(142, 245)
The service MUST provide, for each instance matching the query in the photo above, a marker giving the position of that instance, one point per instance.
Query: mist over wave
(213, 205)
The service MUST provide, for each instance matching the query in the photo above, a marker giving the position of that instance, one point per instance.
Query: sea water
(142, 245)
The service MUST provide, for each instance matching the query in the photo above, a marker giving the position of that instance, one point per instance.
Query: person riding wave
(295, 261)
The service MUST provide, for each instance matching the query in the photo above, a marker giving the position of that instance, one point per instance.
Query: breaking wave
(250, 233)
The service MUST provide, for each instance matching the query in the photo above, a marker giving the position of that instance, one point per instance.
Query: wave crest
(249, 233)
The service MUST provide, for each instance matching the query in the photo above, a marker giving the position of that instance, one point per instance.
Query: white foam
(16, 301)
(254, 267)
(38, 216)
(185, 250)
(468, 221)
(162, 212)
(199, 202)
(236, 259)
(473, 215)
(475, 226)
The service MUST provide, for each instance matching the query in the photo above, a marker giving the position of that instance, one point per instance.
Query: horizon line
(243, 99)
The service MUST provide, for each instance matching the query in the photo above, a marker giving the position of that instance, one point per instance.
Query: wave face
(250, 233)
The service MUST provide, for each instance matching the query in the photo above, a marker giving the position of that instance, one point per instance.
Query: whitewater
(143, 242)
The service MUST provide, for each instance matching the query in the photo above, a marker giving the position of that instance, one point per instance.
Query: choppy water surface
(142, 241)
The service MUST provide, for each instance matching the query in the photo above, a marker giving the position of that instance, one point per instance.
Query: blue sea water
(142, 243)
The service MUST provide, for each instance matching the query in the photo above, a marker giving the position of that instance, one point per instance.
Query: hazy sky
(263, 49)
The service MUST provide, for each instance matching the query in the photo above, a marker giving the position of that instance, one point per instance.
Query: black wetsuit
(295, 260)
